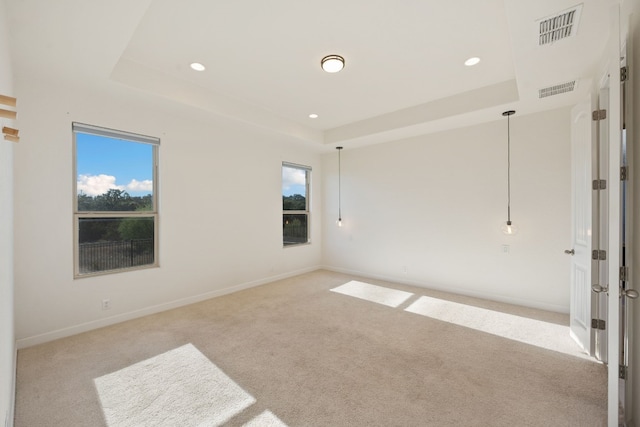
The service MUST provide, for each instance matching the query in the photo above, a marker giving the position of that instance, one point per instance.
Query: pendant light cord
(508, 169)
(339, 185)
(508, 114)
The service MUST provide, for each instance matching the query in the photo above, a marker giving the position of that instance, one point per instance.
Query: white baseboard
(483, 295)
(95, 324)
(10, 415)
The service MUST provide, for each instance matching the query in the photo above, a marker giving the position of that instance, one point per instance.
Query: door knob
(629, 293)
(598, 288)
(570, 251)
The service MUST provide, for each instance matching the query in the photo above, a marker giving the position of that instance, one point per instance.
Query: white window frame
(78, 215)
(307, 210)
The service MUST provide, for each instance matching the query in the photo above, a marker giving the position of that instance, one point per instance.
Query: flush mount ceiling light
(472, 61)
(508, 228)
(313, 116)
(197, 66)
(332, 63)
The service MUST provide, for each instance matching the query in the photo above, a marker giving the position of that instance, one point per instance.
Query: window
(295, 204)
(116, 203)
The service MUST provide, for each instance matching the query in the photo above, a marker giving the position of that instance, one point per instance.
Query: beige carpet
(321, 349)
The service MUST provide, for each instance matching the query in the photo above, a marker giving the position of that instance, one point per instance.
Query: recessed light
(472, 61)
(332, 63)
(197, 66)
(313, 116)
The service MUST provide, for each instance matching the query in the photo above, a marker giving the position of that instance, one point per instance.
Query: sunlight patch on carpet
(178, 388)
(523, 329)
(373, 293)
(265, 419)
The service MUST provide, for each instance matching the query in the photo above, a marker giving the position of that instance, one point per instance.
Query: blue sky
(293, 181)
(105, 163)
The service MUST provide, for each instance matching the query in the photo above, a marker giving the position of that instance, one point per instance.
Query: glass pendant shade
(509, 228)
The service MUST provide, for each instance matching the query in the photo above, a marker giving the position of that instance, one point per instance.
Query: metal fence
(102, 256)
(294, 234)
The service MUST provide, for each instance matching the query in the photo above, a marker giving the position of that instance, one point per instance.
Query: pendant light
(339, 221)
(508, 228)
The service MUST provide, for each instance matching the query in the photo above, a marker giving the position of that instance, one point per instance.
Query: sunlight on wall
(550, 336)
(179, 387)
(373, 293)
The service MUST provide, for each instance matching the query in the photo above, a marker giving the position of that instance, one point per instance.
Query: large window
(295, 204)
(116, 203)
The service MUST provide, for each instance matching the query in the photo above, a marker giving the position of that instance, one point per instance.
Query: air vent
(557, 89)
(559, 26)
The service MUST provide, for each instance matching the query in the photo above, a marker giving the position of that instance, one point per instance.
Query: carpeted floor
(318, 350)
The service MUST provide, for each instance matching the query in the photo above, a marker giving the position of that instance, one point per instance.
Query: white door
(601, 230)
(581, 262)
(627, 292)
(615, 229)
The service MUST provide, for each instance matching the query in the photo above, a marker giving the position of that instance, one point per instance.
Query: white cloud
(135, 185)
(94, 185)
(292, 177)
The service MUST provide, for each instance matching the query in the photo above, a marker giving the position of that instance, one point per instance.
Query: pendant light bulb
(339, 222)
(509, 228)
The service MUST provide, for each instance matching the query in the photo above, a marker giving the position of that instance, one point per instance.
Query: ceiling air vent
(559, 26)
(557, 89)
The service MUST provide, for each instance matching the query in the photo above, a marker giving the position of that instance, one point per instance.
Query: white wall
(434, 204)
(220, 209)
(7, 339)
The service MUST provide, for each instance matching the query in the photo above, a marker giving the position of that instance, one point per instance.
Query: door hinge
(624, 173)
(599, 255)
(599, 115)
(624, 74)
(624, 274)
(622, 372)
(599, 184)
(598, 324)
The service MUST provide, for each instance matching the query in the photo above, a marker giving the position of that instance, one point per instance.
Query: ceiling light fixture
(508, 228)
(339, 221)
(472, 61)
(332, 63)
(313, 116)
(197, 66)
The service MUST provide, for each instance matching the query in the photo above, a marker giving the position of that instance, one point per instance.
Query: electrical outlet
(506, 249)
(106, 304)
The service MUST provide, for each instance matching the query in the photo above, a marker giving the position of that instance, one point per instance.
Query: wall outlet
(506, 249)
(106, 304)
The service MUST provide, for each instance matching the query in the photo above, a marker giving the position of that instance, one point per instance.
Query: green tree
(136, 228)
(114, 200)
(296, 202)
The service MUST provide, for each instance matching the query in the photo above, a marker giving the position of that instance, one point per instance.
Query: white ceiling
(404, 71)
